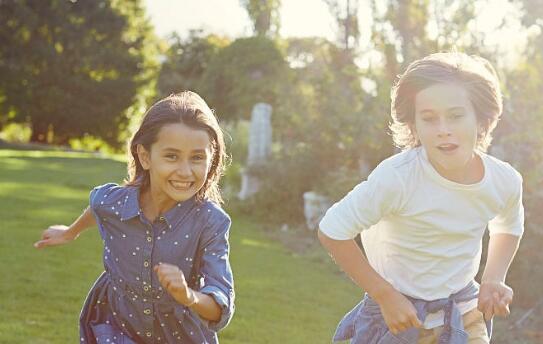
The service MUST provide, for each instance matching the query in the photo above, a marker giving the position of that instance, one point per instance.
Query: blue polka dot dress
(127, 303)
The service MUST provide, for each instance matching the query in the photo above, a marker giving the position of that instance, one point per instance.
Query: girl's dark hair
(190, 109)
(474, 73)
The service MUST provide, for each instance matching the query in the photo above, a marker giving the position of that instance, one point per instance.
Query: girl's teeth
(180, 185)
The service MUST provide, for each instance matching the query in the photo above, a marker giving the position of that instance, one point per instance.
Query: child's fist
(494, 299)
(55, 235)
(173, 280)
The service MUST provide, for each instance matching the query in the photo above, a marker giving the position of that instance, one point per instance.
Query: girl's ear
(143, 156)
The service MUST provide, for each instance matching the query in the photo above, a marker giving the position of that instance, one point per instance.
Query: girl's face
(446, 125)
(178, 162)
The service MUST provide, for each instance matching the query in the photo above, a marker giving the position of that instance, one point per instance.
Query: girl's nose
(183, 169)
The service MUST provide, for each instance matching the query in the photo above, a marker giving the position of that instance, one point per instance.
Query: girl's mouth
(181, 186)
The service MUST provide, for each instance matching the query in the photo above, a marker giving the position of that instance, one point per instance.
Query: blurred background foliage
(81, 74)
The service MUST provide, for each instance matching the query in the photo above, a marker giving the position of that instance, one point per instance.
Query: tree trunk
(39, 132)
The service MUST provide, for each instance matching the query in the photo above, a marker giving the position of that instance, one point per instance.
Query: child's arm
(495, 296)
(214, 301)
(60, 234)
(173, 280)
(398, 312)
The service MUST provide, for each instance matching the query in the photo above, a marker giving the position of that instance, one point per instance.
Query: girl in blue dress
(167, 275)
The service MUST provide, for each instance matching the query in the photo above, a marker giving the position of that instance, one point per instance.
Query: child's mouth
(447, 147)
(180, 185)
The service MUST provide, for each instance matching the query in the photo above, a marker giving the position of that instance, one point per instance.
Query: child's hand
(55, 235)
(494, 299)
(398, 312)
(173, 280)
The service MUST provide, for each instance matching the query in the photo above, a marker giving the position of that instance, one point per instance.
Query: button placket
(146, 281)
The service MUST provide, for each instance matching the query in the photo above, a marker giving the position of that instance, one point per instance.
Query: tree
(265, 16)
(73, 67)
(187, 61)
(248, 71)
(346, 18)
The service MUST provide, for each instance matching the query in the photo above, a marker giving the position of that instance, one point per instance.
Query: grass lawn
(281, 297)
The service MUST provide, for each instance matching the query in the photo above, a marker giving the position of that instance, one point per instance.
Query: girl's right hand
(55, 235)
(398, 312)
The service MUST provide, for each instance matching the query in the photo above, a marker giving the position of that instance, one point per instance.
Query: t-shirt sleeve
(381, 194)
(511, 219)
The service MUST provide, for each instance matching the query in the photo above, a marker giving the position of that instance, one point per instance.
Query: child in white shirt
(423, 212)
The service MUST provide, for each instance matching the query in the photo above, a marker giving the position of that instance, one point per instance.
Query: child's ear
(143, 156)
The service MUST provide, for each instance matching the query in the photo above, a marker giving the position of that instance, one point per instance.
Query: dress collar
(132, 208)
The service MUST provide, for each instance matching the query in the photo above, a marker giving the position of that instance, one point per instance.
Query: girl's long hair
(190, 109)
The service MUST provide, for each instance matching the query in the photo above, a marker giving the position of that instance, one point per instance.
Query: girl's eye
(428, 119)
(198, 157)
(171, 156)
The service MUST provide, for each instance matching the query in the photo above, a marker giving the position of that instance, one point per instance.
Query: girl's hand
(398, 312)
(173, 280)
(55, 235)
(494, 299)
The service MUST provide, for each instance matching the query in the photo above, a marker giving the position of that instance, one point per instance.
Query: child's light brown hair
(190, 109)
(472, 72)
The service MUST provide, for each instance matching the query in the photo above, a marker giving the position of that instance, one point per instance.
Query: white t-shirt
(422, 232)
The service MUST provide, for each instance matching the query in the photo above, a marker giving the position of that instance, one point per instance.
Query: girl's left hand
(494, 299)
(173, 280)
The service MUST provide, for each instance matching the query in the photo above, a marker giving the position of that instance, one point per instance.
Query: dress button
(162, 218)
(149, 239)
(147, 311)
(146, 264)
(146, 288)
(148, 334)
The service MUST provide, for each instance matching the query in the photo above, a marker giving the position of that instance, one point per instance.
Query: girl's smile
(178, 164)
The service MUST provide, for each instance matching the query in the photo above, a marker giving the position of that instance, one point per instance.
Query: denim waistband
(364, 324)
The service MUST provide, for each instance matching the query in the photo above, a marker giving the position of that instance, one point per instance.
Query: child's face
(178, 162)
(446, 125)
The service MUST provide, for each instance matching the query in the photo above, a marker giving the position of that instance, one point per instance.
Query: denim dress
(127, 304)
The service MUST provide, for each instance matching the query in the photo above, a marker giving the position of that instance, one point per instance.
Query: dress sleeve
(215, 272)
(97, 199)
(99, 194)
(381, 194)
(511, 219)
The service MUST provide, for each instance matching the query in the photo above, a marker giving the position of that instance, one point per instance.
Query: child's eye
(171, 156)
(428, 119)
(198, 157)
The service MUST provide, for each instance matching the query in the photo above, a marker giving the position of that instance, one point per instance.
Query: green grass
(281, 297)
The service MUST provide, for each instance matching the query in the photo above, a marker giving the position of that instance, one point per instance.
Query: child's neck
(154, 205)
(472, 173)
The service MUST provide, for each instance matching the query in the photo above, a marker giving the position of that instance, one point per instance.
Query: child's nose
(444, 128)
(183, 169)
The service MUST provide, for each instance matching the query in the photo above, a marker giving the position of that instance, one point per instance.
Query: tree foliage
(265, 16)
(246, 72)
(187, 60)
(345, 14)
(73, 67)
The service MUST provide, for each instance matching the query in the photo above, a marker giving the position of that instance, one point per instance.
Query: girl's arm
(214, 301)
(495, 296)
(173, 280)
(398, 312)
(60, 234)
